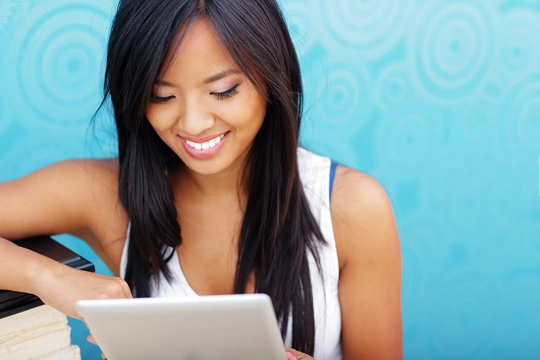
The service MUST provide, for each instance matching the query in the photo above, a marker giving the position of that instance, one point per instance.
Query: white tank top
(315, 175)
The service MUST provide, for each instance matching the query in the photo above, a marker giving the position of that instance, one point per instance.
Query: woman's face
(203, 107)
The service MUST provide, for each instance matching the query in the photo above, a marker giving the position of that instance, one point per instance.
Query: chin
(204, 167)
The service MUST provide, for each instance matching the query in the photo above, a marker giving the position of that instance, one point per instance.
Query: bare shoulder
(80, 180)
(370, 267)
(362, 216)
(98, 176)
(78, 197)
(75, 172)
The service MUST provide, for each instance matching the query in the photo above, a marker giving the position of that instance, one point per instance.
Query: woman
(210, 193)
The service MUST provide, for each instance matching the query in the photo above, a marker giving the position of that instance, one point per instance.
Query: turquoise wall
(439, 100)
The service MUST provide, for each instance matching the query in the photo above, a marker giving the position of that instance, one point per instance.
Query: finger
(290, 355)
(126, 289)
(91, 339)
(115, 288)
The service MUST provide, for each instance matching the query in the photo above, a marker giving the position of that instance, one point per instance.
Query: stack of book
(28, 328)
(38, 333)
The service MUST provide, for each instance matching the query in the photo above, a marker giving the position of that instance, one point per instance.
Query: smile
(206, 145)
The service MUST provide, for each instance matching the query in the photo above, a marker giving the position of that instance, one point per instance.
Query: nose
(194, 118)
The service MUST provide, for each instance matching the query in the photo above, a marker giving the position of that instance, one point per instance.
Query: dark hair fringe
(278, 228)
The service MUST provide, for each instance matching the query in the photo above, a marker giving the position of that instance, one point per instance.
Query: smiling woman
(197, 119)
(210, 193)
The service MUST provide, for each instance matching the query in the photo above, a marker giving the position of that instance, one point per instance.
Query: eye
(159, 99)
(226, 94)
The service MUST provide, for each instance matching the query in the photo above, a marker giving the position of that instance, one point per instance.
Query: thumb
(291, 354)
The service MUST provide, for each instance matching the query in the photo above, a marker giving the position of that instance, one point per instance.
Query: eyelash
(220, 96)
(160, 100)
(226, 94)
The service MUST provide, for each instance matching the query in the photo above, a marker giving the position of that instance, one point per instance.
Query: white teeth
(206, 145)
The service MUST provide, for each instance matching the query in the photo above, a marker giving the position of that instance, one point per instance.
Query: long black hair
(278, 229)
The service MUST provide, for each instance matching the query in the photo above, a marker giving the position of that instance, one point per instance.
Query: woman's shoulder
(83, 169)
(93, 184)
(79, 177)
(358, 190)
(78, 197)
(87, 198)
(370, 265)
(362, 216)
(66, 180)
(102, 168)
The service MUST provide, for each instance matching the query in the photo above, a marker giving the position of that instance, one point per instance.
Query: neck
(226, 183)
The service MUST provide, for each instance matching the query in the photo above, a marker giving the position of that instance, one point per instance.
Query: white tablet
(236, 327)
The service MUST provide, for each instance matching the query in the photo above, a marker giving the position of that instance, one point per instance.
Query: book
(38, 333)
(28, 328)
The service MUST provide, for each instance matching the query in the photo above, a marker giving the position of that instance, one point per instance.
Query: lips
(204, 149)
(207, 144)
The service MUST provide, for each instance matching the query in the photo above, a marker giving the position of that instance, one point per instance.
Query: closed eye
(226, 94)
(159, 99)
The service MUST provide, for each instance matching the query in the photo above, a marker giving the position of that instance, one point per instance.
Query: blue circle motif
(60, 63)
(519, 46)
(519, 119)
(345, 98)
(299, 23)
(409, 140)
(371, 27)
(453, 48)
(480, 119)
(394, 87)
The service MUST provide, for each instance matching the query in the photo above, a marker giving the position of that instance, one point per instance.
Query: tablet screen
(238, 327)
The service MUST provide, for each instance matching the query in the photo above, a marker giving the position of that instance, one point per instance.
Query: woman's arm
(78, 197)
(60, 198)
(55, 284)
(370, 267)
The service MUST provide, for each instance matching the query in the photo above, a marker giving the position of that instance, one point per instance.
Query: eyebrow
(220, 76)
(211, 79)
(161, 82)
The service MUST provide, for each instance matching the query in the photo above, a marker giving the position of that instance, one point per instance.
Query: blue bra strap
(333, 166)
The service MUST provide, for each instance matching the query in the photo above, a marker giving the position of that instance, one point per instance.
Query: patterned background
(439, 100)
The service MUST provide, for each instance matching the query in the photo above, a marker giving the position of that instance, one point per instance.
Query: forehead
(198, 54)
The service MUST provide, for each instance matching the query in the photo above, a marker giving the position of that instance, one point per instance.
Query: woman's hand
(297, 355)
(57, 285)
(60, 288)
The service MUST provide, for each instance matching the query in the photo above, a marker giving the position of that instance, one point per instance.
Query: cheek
(259, 113)
(161, 116)
(252, 112)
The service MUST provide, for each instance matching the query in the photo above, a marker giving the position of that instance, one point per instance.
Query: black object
(12, 302)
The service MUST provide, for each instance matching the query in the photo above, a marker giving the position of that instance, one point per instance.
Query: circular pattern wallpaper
(438, 100)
